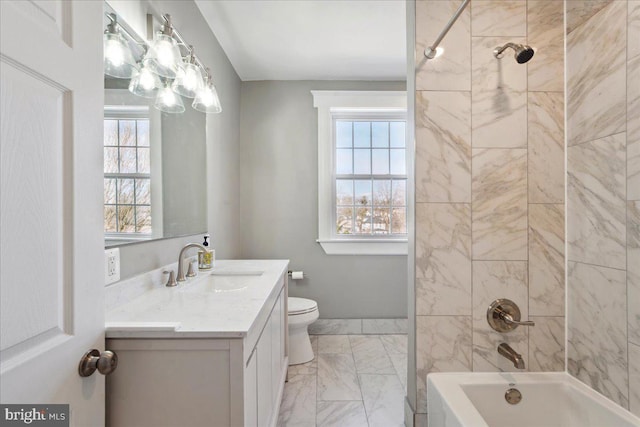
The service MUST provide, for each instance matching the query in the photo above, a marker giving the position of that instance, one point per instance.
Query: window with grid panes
(370, 175)
(127, 175)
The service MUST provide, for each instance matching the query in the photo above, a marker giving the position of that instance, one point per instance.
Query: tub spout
(505, 350)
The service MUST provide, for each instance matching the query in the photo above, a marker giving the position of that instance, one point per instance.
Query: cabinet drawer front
(169, 387)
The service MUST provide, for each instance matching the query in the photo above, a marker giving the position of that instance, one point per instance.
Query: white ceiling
(311, 39)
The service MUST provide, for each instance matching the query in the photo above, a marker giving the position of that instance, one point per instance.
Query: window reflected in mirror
(127, 174)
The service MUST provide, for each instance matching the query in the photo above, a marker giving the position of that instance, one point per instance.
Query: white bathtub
(548, 400)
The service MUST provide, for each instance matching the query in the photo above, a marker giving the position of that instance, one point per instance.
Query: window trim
(329, 103)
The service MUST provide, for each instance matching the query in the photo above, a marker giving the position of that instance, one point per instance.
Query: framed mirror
(155, 184)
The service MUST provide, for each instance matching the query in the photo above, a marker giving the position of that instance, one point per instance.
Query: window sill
(364, 246)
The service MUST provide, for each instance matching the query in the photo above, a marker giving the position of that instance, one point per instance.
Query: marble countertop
(224, 302)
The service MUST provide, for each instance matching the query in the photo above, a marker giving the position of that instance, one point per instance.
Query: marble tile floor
(354, 381)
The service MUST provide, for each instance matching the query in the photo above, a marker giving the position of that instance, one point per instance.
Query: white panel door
(51, 247)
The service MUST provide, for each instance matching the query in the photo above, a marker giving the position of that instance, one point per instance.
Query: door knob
(105, 362)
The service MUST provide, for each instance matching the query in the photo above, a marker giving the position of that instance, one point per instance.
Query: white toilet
(301, 313)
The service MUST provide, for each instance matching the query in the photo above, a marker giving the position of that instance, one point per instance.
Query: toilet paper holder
(297, 275)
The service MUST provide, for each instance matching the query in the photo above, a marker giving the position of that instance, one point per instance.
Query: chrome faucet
(181, 277)
(505, 350)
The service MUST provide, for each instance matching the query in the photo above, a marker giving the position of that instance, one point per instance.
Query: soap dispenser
(206, 258)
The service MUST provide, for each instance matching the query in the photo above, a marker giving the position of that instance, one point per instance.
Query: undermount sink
(223, 281)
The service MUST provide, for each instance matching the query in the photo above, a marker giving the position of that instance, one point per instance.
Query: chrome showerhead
(523, 53)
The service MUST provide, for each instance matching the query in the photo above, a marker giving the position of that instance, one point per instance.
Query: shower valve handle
(503, 315)
(508, 319)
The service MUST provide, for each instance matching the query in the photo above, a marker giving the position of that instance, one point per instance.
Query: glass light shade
(164, 57)
(144, 83)
(118, 59)
(207, 100)
(189, 81)
(169, 101)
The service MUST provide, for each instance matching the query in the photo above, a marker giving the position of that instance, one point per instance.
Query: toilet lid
(301, 305)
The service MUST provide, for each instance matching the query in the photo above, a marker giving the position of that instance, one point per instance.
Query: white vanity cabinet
(192, 381)
(266, 370)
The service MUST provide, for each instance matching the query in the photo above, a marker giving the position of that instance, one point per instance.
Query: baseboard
(358, 326)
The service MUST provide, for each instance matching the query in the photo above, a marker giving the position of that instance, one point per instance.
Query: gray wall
(279, 203)
(222, 144)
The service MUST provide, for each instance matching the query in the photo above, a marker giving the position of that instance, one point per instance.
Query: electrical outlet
(111, 265)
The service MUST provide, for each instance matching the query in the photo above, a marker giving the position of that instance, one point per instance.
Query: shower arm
(430, 52)
(497, 52)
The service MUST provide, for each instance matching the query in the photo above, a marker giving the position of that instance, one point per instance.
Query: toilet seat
(299, 306)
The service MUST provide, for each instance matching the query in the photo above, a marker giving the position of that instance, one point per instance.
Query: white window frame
(330, 103)
(368, 116)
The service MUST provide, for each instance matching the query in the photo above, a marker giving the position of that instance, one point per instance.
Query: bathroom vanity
(210, 352)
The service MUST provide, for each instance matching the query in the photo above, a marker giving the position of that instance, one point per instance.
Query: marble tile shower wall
(603, 197)
(489, 186)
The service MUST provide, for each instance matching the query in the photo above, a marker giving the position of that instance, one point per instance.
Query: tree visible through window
(370, 176)
(127, 176)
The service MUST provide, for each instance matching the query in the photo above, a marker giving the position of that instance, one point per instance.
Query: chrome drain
(513, 396)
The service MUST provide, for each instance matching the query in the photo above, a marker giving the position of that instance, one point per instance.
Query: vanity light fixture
(161, 72)
(117, 57)
(164, 57)
(169, 101)
(145, 83)
(189, 81)
(207, 100)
